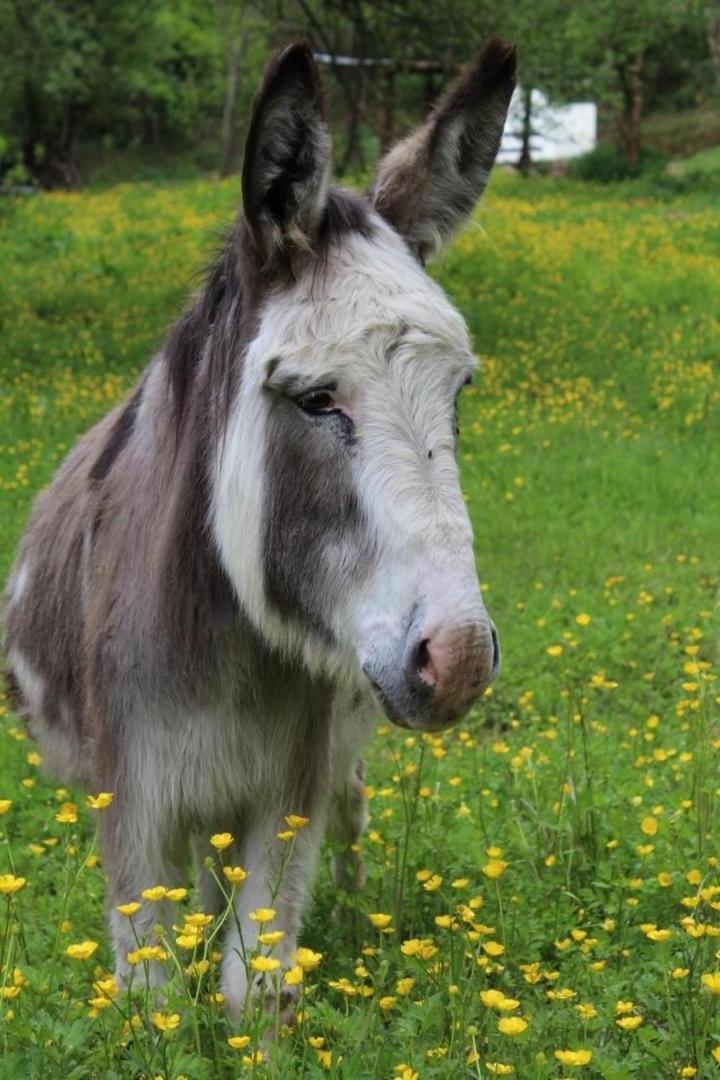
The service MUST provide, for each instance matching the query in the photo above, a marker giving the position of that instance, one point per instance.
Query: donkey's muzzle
(431, 679)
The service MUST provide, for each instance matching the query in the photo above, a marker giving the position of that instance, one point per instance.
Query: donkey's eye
(316, 402)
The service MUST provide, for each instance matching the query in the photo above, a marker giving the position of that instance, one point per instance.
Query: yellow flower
(235, 874)
(221, 840)
(493, 948)
(554, 650)
(157, 892)
(495, 999)
(11, 884)
(83, 950)
(251, 1060)
(106, 987)
(264, 963)
(629, 1023)
(623, 1007)
(649, 825)
(293, 976)
(176, 894)
(711, 982)
(434, 882)
(658, 935)
(239, 1042)
(9, 992)
(495, 868)
(586, 1011)
(271, 938)
(664, 879)
(165, 1021)
(294, 821)
(146, 952)
(67, 814)
(262, 915)
(5, 805)
(380, 920)
(129, 909)
(422, 947)
(101, 801)
(307, 959)
(574, 1057)
(404, 986)
(582, 619)
(511, 1025)
(499, 1068)
(680, 973)
(189, 939)
(387, 1003)
(198, 920)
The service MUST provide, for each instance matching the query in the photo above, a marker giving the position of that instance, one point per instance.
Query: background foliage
(560, 848)
(84, 86)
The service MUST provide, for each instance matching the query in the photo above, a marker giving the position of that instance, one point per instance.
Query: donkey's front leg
(140, 855)
(279, 879)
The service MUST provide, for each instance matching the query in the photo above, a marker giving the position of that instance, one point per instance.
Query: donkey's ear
(429, 183)
(287, 155)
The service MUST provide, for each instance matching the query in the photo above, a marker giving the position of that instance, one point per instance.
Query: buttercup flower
(222, 840)
(82, 950)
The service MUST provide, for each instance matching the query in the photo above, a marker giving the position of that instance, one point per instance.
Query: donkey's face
(338, 507)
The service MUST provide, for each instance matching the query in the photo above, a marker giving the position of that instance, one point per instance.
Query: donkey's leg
(279, 877)
(347, 821)
(140, 854)
(347, 816)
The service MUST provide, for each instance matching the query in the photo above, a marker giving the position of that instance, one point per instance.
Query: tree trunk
(354, 155)
(235, 48)
(631, 84)
(713, 36)
(525, 159)
(387, 111)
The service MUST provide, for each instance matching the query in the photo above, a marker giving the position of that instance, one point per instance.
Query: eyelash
(317, 402)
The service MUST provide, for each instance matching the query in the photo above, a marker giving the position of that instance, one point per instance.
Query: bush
(607, 164)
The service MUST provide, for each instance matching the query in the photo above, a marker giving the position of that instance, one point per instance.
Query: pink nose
(458, 663)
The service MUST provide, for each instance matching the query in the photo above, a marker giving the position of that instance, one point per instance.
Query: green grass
(704, 163)
(591, 454)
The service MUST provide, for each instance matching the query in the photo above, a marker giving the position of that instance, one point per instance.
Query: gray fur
(130, 656)
(430, 182)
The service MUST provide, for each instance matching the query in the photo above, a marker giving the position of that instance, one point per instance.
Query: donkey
(267, 540)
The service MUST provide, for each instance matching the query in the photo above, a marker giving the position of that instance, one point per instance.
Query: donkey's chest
(222, 762)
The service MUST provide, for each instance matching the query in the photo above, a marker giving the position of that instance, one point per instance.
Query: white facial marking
(398, 351)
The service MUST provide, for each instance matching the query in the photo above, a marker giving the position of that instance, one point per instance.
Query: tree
(75, 71)
(623, 43)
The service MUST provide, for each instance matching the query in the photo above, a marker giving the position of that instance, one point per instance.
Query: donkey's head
(338, 508)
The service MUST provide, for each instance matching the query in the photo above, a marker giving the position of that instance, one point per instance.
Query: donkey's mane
(222, 316)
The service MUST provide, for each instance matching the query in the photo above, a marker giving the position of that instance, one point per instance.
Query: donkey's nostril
(496, 653)
(424, 663)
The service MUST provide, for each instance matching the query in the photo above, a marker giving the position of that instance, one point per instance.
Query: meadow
(543, 895)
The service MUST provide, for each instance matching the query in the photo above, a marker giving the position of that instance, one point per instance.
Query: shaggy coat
(267, 538)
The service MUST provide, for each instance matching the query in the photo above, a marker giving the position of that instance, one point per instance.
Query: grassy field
(548, 872)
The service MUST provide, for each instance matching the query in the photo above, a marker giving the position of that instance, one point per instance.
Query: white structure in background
(559, 131)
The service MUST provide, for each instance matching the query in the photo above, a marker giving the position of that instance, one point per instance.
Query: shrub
(607, 164)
